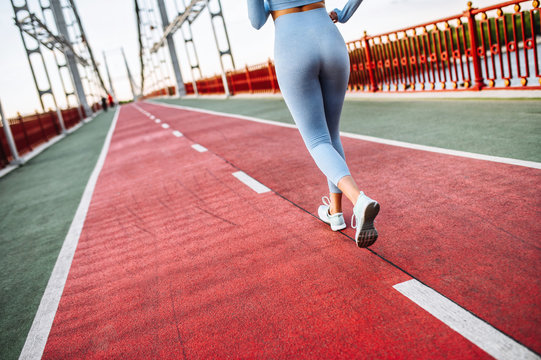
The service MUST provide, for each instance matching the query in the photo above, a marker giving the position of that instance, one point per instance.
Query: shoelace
(326, 200)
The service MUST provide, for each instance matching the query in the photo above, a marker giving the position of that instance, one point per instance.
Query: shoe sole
(368, 234)
(339, 227)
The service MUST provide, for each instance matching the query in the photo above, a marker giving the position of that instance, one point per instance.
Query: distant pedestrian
(104, 103)
(312, 67)
(111, 101)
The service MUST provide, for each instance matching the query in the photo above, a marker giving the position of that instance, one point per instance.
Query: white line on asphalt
(152, 117)
(39, 332)
(251, 182)
(199, 148)
(530, 164)
(491, 340)
(157, 121)
(235, 116)
(165, 126)
(510, 161)
(177, 133)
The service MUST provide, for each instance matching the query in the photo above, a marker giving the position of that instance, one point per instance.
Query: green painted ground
(37, 204)
(508, 128)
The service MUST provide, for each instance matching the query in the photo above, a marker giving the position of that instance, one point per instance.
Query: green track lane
(37, 204)
(499, 127)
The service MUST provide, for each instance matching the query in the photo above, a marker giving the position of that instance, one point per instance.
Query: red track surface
(179, 259)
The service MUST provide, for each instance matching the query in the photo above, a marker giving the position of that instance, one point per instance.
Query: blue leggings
(312, 67)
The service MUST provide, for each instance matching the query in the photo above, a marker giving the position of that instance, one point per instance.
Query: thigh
(298, 77)
(334, 79)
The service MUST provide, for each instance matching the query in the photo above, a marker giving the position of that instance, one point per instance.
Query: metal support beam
(172, 51)
(192, 11)
(130, 77)
(112, 89)
(70, 57)
(23, 9)
(9, 137)
(155, 66)
(39, 31)
(141, 51)
(85, 42)
(188, 41)
(227, 51)
(62, 64)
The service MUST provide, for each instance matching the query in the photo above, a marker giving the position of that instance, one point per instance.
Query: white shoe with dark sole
(336, 221)
(364, 213)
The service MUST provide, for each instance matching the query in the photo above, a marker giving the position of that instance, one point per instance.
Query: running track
(179, 259)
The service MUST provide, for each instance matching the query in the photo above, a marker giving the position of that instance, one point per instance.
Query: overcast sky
(111, 24)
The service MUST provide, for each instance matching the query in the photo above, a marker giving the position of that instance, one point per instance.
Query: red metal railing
(496, 47)
(471, 51)
(253, 79)
(161, 92)
(259, 78)
(211, 85)
(32, 130)
(5, 157)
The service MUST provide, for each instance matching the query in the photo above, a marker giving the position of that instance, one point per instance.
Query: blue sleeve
(258, 12)
(348, 10)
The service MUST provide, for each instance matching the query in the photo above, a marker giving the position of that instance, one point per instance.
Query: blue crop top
(259, 10)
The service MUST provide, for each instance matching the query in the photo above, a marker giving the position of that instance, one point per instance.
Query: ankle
(335, 205)
(333, 211)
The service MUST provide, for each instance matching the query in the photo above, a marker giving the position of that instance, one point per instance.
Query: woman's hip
(311, 28)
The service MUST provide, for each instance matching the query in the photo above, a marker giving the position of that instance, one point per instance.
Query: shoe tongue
(359, 200)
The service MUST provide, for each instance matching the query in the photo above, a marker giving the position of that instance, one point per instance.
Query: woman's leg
(298, 77)
(312, 68)
(349, 187)
(334, 80)
(336, 203)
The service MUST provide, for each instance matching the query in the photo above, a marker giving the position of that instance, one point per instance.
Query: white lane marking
(39, 332)
(177, 133)
(157, 121)
(199, 148)
(251, 182)
(165, 126)
(503, 160)
(152, 117)
(234, 116)
(491, 340)
(434, 149)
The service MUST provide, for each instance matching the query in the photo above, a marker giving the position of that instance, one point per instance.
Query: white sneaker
(336, 221)
(364, 213)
